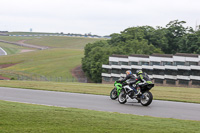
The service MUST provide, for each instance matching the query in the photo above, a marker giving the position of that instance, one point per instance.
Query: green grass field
(54, 41)
(51, 62)
(63, 42)
(23, 118)
(12, 49)
(160, 93)
(15, 39)
(65, 53)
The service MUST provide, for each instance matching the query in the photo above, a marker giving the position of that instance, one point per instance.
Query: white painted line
(5, 53)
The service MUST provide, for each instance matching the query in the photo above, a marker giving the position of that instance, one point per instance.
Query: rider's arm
(124, 79)
(142, 78)
(133, 82)
(137, 80)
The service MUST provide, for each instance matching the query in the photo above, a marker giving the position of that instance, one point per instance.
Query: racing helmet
(128, 72)
(138, 72)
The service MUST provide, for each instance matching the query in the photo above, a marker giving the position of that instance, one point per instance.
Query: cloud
(101, 17)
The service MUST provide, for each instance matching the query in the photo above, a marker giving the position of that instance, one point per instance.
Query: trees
(190, 43)
(96, 54)
(159, 40)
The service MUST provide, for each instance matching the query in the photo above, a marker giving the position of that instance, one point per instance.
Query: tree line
(171, 39)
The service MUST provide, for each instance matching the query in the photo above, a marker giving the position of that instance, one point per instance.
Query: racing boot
(131, 94)
(138, 99)
(138, 92)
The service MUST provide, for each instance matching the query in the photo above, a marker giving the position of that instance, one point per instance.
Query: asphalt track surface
(164, 109)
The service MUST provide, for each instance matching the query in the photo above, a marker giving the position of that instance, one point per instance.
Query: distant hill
(64, 54)
(53, 41)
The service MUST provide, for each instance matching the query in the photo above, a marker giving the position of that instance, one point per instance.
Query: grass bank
(23, 118)
(63, 42)
(54, 41)
(12, 49)
(191, 95)
(52, 62)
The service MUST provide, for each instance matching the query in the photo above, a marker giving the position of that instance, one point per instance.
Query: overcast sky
(101, 17)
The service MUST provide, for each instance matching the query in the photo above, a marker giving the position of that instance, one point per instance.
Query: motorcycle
(117, 89)
(145, 98)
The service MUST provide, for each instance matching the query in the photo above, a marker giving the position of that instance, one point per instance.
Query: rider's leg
(138, 88)
(134, 89)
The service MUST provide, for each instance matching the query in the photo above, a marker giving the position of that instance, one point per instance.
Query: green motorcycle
(116, 91)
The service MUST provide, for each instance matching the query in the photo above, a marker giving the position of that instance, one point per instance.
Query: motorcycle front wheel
(122, 97)
(146, 98)
(113, 94)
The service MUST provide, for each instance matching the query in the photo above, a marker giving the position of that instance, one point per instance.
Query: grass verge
(23, 118)
(191, 95)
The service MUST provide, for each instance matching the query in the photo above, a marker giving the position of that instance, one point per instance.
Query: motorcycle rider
(142, 79)
(129, 78)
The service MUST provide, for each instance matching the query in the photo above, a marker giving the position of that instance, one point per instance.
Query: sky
(99, 17)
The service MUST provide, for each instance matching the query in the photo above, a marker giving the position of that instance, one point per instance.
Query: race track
(164, 109)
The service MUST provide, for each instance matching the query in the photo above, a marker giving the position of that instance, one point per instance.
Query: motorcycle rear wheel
(113, 94)
(147, 98)
(122, 97)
